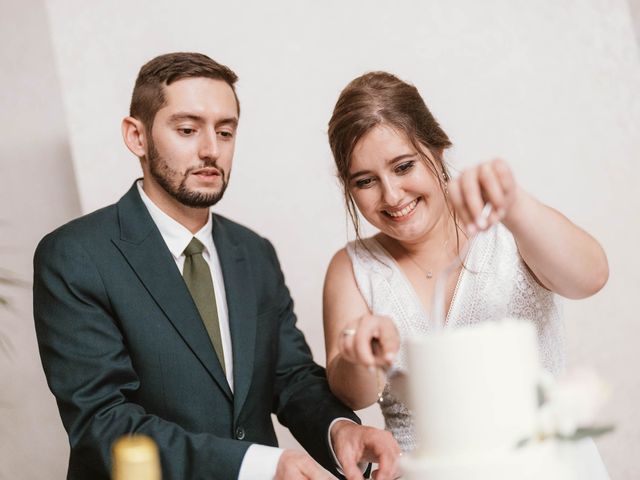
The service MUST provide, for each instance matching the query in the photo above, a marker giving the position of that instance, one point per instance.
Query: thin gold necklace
(428, 273)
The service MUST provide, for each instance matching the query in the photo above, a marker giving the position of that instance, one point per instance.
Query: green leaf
(587, 432)
(7, 278)
(13, 281)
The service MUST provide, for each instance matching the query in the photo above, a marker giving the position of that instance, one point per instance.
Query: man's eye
(404, 167)
(186, 131)
(225, 134)
(364, 183)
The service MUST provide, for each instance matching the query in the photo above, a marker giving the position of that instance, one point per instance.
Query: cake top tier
(474, 389)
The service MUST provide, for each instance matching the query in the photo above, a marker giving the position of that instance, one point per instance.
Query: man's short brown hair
(148, 92)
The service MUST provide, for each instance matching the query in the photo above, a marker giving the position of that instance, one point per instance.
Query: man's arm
(90, 372)
(307, 407)
(303, 402)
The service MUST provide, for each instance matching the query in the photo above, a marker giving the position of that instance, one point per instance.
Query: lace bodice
(495, 284)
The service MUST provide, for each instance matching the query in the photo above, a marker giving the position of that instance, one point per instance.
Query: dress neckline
(411, 289)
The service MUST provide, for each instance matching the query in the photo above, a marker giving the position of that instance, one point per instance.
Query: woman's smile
(404, 213)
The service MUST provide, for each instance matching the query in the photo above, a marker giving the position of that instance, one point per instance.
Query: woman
(388, 150)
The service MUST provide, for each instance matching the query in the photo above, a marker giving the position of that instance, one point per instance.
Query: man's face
(192, 141)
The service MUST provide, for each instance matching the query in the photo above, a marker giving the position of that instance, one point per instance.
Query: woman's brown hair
(380, 98)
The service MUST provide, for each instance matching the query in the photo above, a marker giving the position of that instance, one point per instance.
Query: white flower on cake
(571, 403)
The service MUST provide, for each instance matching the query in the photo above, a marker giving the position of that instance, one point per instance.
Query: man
(155, 317)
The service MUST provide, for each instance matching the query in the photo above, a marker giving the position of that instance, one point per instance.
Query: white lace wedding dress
(495, 284)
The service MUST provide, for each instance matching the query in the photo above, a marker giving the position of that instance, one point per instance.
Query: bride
(388, 149)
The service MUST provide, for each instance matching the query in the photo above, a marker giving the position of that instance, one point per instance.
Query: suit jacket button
(240, 433)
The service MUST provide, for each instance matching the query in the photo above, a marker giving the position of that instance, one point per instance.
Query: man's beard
(166, 176)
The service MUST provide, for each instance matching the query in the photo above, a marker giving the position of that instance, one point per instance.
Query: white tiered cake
(474, 395)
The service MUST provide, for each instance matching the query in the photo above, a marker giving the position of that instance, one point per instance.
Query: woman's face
(393, 188)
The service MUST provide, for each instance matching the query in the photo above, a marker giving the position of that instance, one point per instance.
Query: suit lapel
(242, 309)
(142, 245)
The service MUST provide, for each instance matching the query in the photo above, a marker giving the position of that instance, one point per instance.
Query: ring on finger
(349, 332)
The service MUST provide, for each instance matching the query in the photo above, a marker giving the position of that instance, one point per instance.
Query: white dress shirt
(260, 461)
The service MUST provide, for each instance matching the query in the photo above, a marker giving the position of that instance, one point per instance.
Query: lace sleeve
(359, 261)
(531, 301)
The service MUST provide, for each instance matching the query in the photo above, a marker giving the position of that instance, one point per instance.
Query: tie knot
(195, 246)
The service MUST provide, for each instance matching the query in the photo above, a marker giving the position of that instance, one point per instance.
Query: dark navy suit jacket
(124, 349)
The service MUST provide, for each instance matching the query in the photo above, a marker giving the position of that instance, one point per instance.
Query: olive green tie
(197, 276)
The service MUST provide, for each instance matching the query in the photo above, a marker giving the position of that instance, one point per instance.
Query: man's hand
(355, 443)
(294, 465)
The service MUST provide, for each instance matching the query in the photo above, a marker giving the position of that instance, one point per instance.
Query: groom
(154, 316)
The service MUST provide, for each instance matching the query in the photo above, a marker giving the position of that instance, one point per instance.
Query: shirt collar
(174, 234)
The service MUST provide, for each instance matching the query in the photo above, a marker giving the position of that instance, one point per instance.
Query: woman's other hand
(487, 183)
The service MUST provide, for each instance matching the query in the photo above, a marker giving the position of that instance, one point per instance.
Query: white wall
(38, 193)
(551, 86)
(634, 6)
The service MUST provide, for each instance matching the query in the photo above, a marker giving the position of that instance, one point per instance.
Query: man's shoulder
(236, 231)
(92, 228)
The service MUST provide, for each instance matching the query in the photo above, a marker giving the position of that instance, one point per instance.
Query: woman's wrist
(519, 215)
